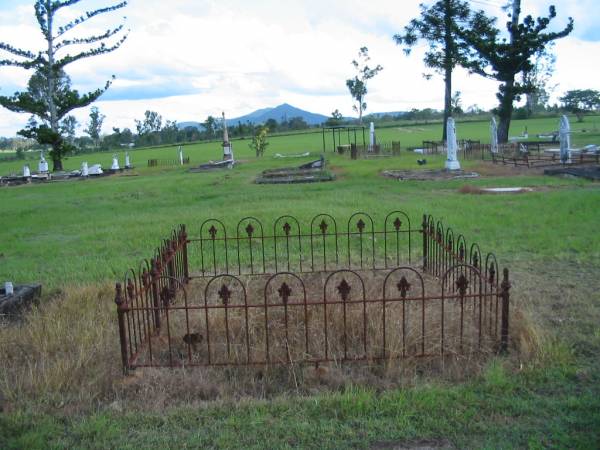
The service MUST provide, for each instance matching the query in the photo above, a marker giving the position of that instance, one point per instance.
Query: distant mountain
(279, 113)
(260, 116)
(184, 125)
(284, 112)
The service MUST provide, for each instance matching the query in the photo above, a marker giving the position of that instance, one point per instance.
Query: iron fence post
(425, 249)
(171, 251)
(505, 295)
(155, 274)
(122, 308)
(184, 239)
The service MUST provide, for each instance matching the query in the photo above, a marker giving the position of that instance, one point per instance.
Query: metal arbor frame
(290, 318)
(349, 130)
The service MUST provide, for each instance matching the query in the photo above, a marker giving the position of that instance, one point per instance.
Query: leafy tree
(210, 126)
(495, 57)
(335, 119)
(152, 123)
(456, 103)
(49, 95)
(271, 124)
(94, 126)
(438, 25)
(578, 101)
(539, 79)
(67, 128)
(170, 132)
(358, 85)
(259, 141)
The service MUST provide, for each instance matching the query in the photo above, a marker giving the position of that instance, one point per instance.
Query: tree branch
(102, 49)
(88, 40)
(88, 15)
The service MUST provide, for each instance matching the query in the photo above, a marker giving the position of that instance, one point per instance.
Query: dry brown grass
(66, 355)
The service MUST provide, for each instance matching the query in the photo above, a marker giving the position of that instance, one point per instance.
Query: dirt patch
(428, 175)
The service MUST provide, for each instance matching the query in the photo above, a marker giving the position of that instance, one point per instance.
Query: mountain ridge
(282, 112)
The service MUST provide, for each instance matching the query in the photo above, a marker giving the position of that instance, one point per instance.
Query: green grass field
(87, 233)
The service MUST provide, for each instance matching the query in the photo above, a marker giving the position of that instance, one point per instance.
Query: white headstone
(451, 146)
(96, 169)
(227, 150)
(564, 132)
(127, 161)
(43, 164)
(180, 151)
(26, 171)
(115, 163)
(372, 138)
(493, 136)
(84, 169)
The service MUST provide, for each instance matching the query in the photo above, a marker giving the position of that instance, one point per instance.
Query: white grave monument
(564, 132)
(96, 169)
(180, 153)
(451, 146)
(227, 150)
(372, 138)
(127, 161)
(493, 136)
(85, 172)
(43, 164)
(26, 171)
(115, 163)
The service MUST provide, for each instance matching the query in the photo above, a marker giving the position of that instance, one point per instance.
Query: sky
(187, 59)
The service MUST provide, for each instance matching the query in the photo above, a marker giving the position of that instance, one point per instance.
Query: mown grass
(64, 387)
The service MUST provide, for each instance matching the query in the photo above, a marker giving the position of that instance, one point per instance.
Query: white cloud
(239, 55)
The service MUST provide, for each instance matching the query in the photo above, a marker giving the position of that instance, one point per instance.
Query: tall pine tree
(49, 95)
(438, 25)
(495, 57)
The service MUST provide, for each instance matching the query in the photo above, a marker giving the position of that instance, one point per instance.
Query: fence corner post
(186, 269)
(425, 249)
(121, 310)
(505, 295)
(154, 277)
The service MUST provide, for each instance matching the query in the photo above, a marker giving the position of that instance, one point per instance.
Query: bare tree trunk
(505, 111)
(507, 94)
(57, 146)
(447, 68)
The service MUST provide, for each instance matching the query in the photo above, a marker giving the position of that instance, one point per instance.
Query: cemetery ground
(61, 383)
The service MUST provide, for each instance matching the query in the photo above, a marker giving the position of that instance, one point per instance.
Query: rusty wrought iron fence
(264, 306)
(320, 244)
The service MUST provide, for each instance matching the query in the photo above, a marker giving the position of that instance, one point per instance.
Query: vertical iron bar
(121, 311)
(425, 247)
(505, 286)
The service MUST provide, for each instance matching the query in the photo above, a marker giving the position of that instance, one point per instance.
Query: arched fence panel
(314, 292)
